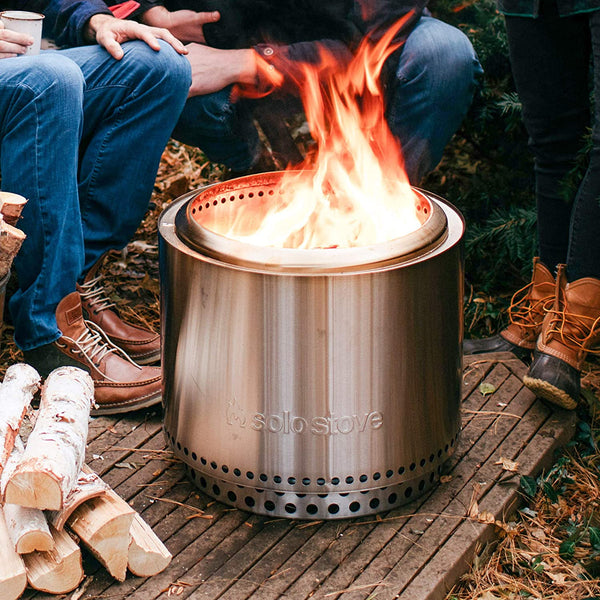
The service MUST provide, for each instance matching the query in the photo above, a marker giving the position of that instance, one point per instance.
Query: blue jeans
(550, 59)
(435, 80)
(81, 138)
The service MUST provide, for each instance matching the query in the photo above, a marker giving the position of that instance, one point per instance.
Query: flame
(353, 191)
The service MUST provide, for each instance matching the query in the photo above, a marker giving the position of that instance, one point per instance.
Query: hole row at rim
(199, 206)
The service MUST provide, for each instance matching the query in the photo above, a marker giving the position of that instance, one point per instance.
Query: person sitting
(83, 130)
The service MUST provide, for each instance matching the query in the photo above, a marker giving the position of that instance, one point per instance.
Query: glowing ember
(353, 191)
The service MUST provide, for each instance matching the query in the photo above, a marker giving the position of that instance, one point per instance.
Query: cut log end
(34, 489)
(148, 556)
(13, 577)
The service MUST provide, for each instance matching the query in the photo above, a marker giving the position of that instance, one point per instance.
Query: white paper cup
(25, 22)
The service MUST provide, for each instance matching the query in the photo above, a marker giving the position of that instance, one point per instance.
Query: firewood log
(11, 239)
(27, 527)
(55, 450)
(103, 525)
(147, 554)
(20, 384)
(13, 577)
(11, 206)
(88, 486)
(58, 571)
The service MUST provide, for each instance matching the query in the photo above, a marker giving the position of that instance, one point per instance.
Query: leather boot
(571, 329)
(141, 345)
(120, 385)
(526, 313)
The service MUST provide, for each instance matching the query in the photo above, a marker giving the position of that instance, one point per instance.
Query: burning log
(13, 577)
(55, 451)
(103, 525)
(27, 527)
(20, 384)
(11, 207)
(58, 571)
(11, 239)
(147, 554)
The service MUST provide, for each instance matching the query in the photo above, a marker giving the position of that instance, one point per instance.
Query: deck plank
(415, 552)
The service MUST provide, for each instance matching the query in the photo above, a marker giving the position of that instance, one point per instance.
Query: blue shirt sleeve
(66, 20)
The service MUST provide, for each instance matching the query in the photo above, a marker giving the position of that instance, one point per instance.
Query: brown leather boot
(571, 329)
(526, 313)
(142, 345)
(120, 385)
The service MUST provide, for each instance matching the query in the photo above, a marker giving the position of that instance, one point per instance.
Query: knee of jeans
(166, 66)
(51, 73)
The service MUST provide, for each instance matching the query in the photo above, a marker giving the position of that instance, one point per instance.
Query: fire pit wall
(311, 395)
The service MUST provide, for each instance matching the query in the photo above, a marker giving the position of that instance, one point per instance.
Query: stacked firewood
(51, 501)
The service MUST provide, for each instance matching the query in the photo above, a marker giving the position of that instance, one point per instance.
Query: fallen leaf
(508, 465)
(486, 388)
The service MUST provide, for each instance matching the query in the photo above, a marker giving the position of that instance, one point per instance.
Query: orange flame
(354, 190)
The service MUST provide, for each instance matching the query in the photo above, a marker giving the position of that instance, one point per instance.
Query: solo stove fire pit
(309, 383)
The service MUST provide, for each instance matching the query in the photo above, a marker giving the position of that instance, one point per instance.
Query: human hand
(13, 43)
(185, 25)
(213, 68)
(111, 32)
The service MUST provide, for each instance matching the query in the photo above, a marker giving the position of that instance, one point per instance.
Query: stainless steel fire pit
(310, 383)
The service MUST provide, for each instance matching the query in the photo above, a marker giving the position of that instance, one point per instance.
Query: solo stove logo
(286, 422)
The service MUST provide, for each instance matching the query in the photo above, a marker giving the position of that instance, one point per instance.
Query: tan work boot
(142, 345)
(120, 385)
(526, 313)
(571, 329)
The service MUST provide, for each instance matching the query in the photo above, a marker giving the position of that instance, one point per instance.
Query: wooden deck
(416, 552)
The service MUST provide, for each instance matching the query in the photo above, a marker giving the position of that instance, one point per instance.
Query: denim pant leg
(436, 78)
(223, 130)
(130, 108)
(40, 103)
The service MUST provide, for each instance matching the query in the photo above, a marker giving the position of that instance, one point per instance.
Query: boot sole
(549, 392)
(118, 409)
(146, 360)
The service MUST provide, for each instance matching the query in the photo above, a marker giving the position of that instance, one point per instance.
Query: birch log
(11, 207)
(103, 525)
(13, 577)
(89, 485)
(55, 450)
(20, 383)
(27, 527)
(11, 239)
(58, 571)
(148, 556)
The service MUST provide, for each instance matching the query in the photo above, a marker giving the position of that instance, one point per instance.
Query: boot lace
(93, 291)
(94, 345)
(527, 312)
(576, 332)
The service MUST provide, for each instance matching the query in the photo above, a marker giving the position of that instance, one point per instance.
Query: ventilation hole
(251, 195)
(249, 474)
(421, 485)
(193, 474)
(203, 482)
(215, 202)
(408, 492)
(193, 211)
(363, 478)
(194, 456)
(335, 480)
(263, 477)
(322, 495)
(320, 481)
(452, 441)
(432, 458)
(312, 509)
(249, 500)
(232, 497)
(237, 472)
(186, 451)
(291, 480)
(241, 196)
(446, 448)
(423, 462)
(259, 490)
(216, 490)
(261, 194)
(431, 477)
(279, 494)
(374, 503)
(271, 192)
(231, 198)
(439, 453)
(203, 460)
(207, 205)
(364, 491)
(413, 466)
(213, 465)
(290, 508)
(333, 509)
(439, 470)
(306, 481)
(270, 505)
(300, 495)
(393, 498)
(376, 476)
(389, 473)
(400, 470)
(425, 211)
(354, 506)
(178, 446)
(225, 469)
(277, 479)
(349, 479)
(344, 494)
